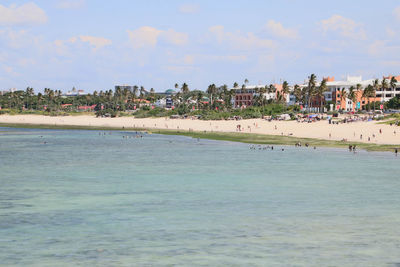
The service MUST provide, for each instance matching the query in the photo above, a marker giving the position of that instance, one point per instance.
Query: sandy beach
(366, 132)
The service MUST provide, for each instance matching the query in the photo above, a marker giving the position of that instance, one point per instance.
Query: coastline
(243, 137)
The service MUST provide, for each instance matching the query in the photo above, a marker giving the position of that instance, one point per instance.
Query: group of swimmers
(352, 148)
(260, 147)
(104, 133)
(137, 135)
(131, 136)
(298, 144)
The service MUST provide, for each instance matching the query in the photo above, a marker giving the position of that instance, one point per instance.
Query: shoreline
(249, 138)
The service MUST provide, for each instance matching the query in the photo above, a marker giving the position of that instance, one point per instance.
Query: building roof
(170, 91)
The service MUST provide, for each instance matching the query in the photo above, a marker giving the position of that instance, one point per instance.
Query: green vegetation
(392, 119)
(393, 103)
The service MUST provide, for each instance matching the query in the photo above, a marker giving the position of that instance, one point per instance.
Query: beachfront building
(337, 93)
(166, 99)
(389, 92)
(245, 95)
(75, 92)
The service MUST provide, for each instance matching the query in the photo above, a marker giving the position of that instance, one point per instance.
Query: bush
(104, 112)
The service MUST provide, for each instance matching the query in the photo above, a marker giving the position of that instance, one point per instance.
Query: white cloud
(147, 36)
(240, 40)
(16, 39)
(188, 59)
(189, 8)
(97, 42)
(277, 29)
(63, 47)
(217, 58)
(71, 4)
(344, 27)
(26, 14)
(377, 48)
(173, 37)
(10, 71)
(384, 49)
(396, 12)
(391, 33)
(391, 63)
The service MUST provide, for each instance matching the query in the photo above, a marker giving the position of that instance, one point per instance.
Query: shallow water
(84, 199)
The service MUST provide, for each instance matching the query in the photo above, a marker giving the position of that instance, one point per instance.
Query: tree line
(213, 98)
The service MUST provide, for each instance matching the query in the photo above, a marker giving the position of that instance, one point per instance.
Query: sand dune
(320, 130)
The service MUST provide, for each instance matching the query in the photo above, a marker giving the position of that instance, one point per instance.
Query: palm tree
(297, 93)
(232, 94)
(322, 88)
(352, 95)
(343, 95)
(29, 93)
(152, 94)
(246, 81)
(211, 90)
(235, 85)
(185, 88)
(368, 93)
(312, 81)
(39, 99)
(376, 87)
(135, 91)
(199, 97)
(279, 97)
(384, 86)
(263, 90)
(51, 95)
(393, 83)
(285, 89)
(272, 88)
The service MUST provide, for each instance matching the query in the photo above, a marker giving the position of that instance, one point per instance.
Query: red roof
(65, 105)
(86, 107)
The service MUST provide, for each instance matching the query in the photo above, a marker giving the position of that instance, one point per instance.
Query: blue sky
(96, 44)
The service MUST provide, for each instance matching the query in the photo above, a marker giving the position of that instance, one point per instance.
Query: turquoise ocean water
(84, 199)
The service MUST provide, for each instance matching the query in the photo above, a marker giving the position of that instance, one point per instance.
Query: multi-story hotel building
(244, 97)
(335, 88)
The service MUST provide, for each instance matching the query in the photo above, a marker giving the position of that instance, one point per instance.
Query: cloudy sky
(95, 44)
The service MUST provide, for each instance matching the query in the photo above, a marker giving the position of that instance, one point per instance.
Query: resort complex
(327, 95)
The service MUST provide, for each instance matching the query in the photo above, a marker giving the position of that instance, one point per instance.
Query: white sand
(320, 130)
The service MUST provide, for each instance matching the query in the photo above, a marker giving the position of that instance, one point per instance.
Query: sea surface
(91, 198)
